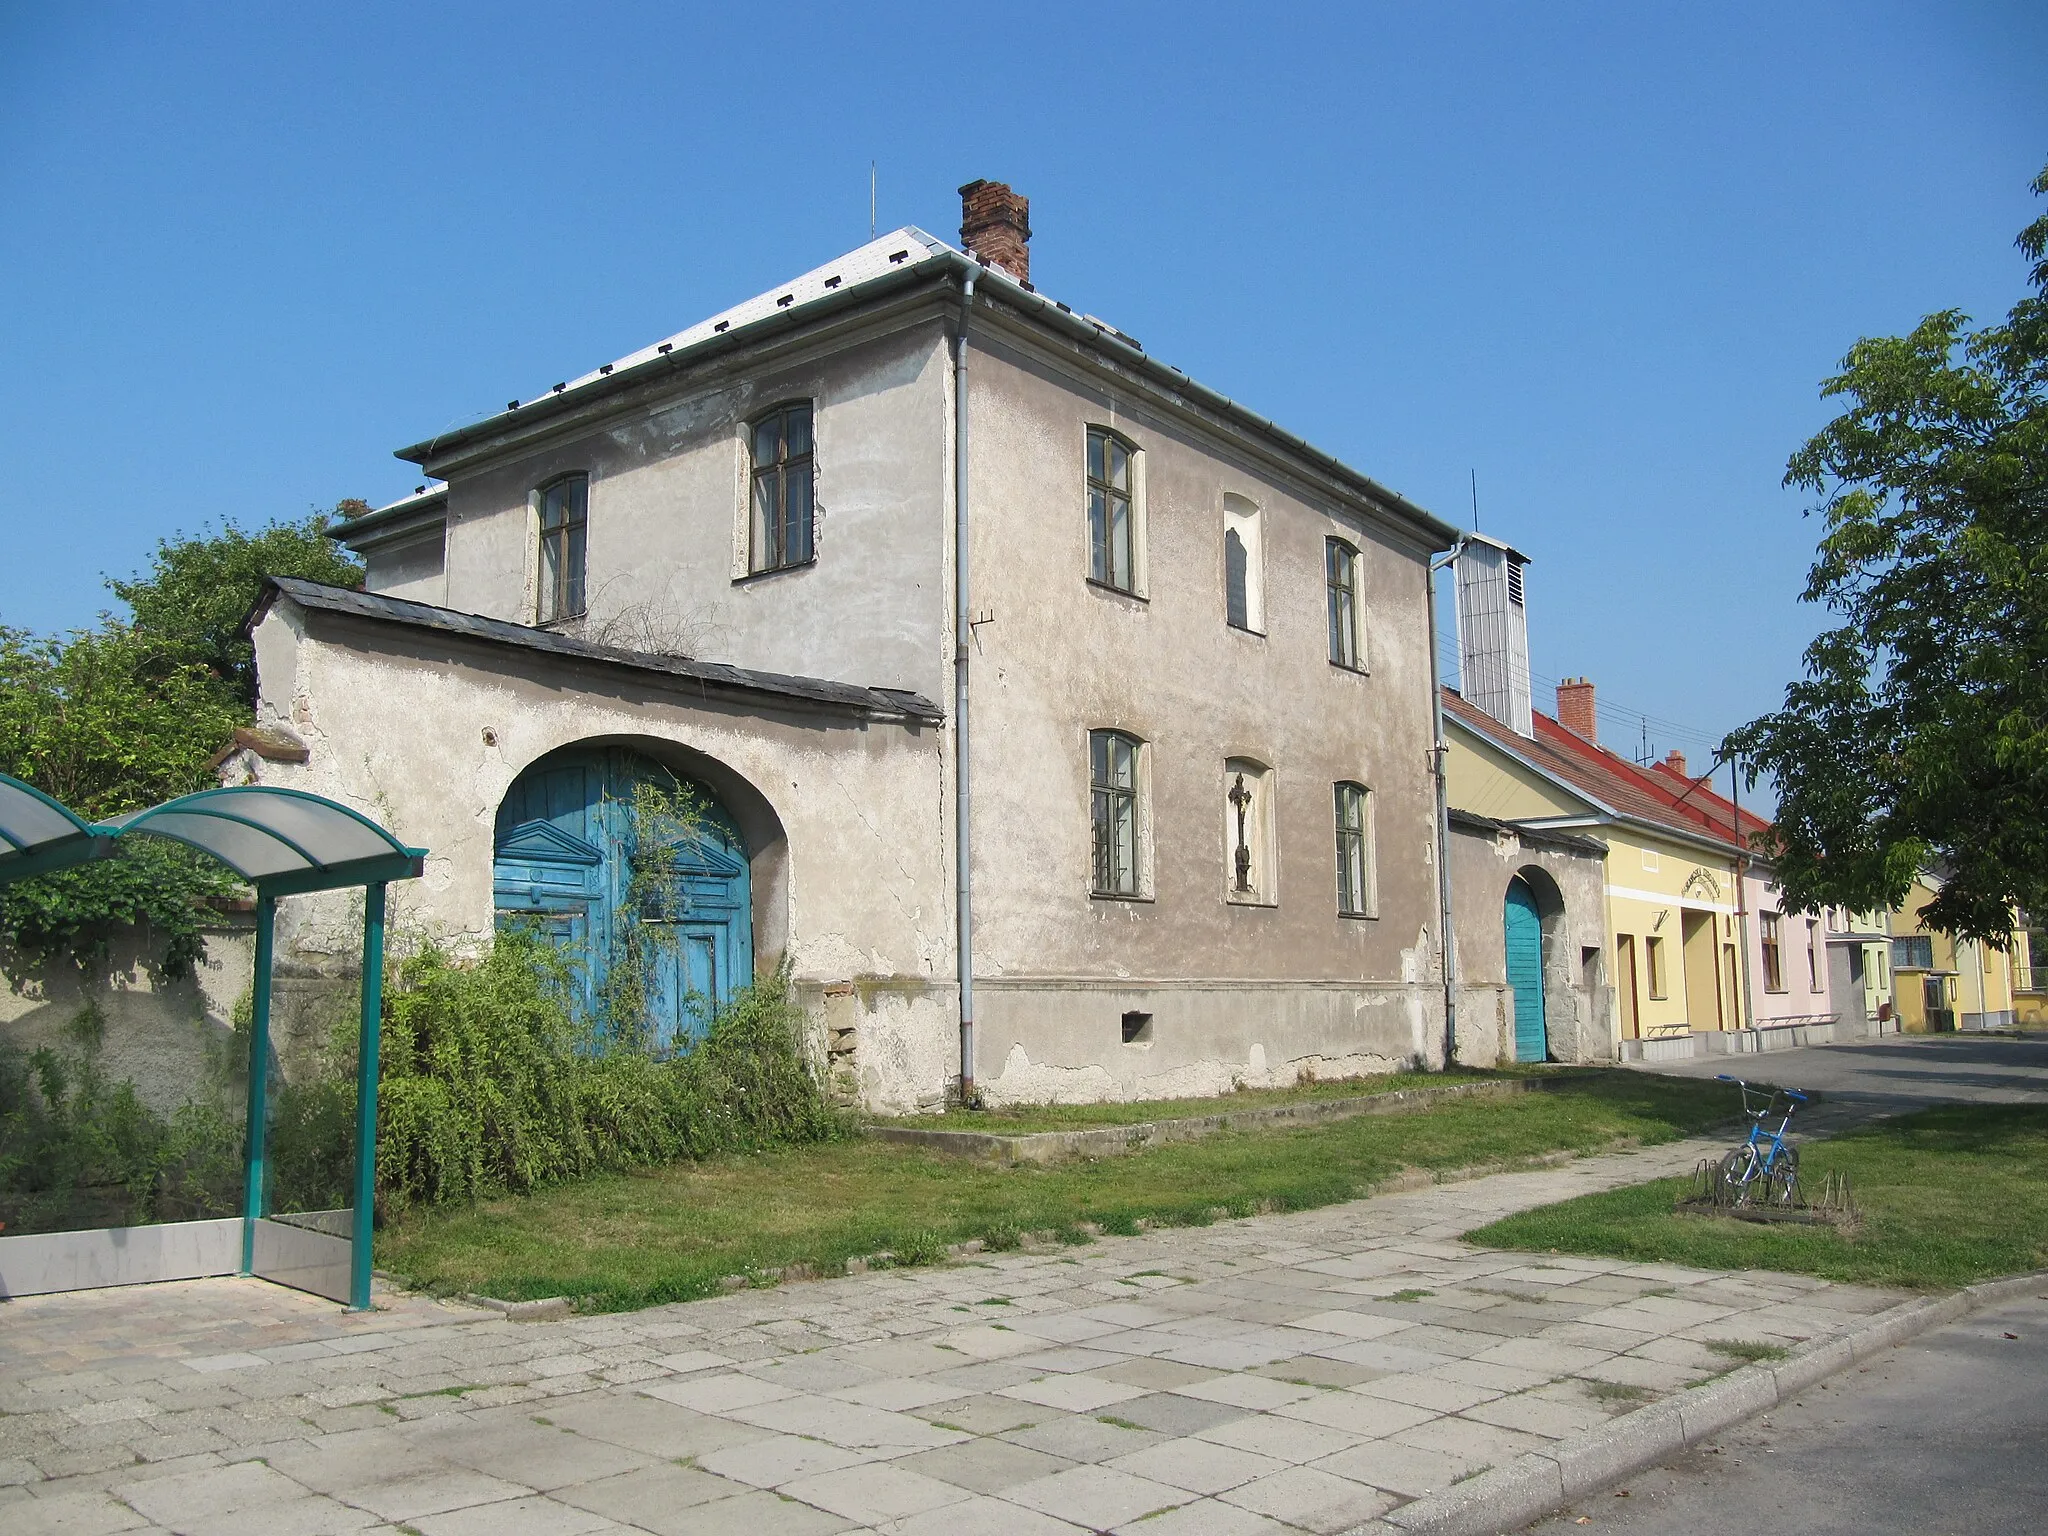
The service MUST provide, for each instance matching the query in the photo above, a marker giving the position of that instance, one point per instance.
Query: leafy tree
(198, 591)
(1919, 735)
(128, 715)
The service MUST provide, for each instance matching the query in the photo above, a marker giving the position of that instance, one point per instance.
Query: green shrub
(78, 1151)
(486, 1086)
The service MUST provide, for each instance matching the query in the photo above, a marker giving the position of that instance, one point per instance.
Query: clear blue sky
(1600, 255)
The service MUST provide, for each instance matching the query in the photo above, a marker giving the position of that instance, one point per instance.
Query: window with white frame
(1115, 793)
(1250, 848)
(781, 489)
(1354, 851)
(1115, 511)
(1340, 583)
(1244, 584)
(564, 508)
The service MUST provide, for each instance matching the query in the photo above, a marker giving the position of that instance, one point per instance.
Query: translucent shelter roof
(38, 835)
(280, 840)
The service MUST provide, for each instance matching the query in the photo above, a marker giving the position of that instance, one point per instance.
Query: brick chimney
(995, 224)
(1575, 708)
(1675, 761)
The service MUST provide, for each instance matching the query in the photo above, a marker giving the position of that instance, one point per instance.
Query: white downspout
(963, 634)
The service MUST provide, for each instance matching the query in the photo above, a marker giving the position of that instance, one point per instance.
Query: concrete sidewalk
(1299, 1372)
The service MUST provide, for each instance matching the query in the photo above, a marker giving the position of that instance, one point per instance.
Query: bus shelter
(283, 842)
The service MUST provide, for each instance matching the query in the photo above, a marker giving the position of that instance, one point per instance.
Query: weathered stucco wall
(844, 818)
(668, 529)
(1569, 882)
(1235, 991)
(172, 1039)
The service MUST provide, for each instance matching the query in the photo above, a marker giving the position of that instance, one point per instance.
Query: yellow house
(1940, 983)
(1674, 941)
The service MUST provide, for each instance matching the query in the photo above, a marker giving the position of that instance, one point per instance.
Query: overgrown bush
(487, 1086)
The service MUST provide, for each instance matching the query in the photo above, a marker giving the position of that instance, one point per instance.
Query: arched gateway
(577, 853)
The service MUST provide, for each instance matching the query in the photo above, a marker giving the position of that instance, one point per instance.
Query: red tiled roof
(1659, 796)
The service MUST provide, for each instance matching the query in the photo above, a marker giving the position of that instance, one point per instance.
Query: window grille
(1354, 870)
(1113, 812)
(782, 480)
(1112, 542)
(1913, 954)
(564, 538)
(1340, 564)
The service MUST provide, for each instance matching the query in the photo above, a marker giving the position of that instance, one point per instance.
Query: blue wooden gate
(565, 854)
(1523, 927)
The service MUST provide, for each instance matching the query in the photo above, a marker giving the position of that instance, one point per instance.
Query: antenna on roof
(1475, 499)
(1648, 755)
(871, 199)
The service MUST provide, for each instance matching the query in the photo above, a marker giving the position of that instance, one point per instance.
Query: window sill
(561, 624)
(1360, 917)
(1244, 629)
(1257, 903)
(776, 570)
(1119, 896)
(1115, 591)
(1340, 666)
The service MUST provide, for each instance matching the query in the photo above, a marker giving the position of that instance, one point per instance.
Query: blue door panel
(1523, 928)
(564, 859)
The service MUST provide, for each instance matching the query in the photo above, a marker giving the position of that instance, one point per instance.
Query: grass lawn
(1948, 1196)
(1022, 1119)
(670, 1233)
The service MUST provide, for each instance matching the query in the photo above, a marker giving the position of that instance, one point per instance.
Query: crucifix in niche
(1241, 801)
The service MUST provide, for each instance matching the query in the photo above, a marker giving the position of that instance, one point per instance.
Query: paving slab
(1308, 1371)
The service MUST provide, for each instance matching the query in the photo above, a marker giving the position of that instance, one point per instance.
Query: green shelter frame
(284, 842)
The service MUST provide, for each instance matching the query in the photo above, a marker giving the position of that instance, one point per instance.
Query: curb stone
(546, 1310)
(1533, 1485)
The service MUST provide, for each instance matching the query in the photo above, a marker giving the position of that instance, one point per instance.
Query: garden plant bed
(671, 1233)
(1944, 1198)
(1008, 1139)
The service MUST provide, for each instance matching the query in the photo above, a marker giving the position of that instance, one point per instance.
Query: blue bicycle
(1764, 1170)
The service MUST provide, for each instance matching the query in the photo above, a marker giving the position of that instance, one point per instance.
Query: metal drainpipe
(1741, 894)
(963, 634)
(1439, 753)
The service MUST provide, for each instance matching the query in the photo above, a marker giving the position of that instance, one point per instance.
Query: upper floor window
(1112, 511)
(782, 489)
(1354, 852)
(1913, 953)
(1340, 572)
(1772, 924)
(564, 537)
(1113, 811)
(1244, 597)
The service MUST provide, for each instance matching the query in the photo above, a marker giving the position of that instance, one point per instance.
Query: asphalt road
(1942, 1437)
(1895, 1074)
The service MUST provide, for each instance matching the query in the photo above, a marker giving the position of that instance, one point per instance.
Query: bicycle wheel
(1781, 1179)
(1738, 1174)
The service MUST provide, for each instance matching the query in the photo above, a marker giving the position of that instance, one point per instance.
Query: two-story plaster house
(1027, 647)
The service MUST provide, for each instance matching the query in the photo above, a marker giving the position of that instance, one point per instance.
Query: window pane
(1122, 763)
(1125, 870)
(768, 441)
(767, 525)
(1098, 537)
(572, 575)
(797, 514)
(799, 430)
(1119, 466)
(1097, 469)
(1120, 543)
(550, 576)
(573, 493)
(1236, 605)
